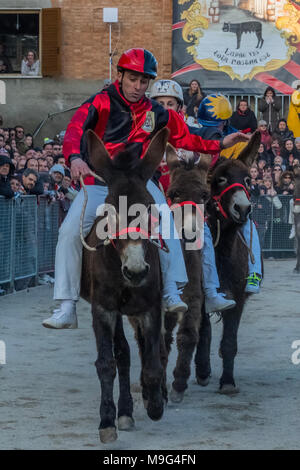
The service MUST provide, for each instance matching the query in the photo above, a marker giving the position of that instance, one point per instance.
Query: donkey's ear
(98, 155)
(204, 162)
(172, 157)
(249, 154)
(154, 154)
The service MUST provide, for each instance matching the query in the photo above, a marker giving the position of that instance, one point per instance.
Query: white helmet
(166, 88)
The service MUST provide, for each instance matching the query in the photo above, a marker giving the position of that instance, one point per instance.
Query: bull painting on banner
(237, 46)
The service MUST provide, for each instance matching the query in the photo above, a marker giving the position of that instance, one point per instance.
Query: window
(23, 31)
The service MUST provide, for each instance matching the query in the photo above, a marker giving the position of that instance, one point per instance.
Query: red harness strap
(297, 202)
(159, 242)
(218, 198)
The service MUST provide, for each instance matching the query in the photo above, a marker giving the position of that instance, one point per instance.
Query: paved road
(49, 390)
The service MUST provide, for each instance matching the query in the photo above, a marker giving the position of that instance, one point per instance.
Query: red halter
(190, 203)
(218, 198)
(159, 241)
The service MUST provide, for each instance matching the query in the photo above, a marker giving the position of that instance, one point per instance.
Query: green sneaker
(253, 283)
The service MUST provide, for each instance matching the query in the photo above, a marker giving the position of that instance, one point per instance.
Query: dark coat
(5, 188)
(191, 101)
(243, 121)
(269, 112)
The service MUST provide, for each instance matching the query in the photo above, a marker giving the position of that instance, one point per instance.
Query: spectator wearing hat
(266, 138)
(6, 171)
(286, 183)
(269, 106)
(57, 173)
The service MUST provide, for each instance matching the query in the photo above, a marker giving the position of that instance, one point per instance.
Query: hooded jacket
(123, 125)
(269, 112)
(5, 188)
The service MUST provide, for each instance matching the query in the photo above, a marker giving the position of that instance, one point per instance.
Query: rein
(159, 242)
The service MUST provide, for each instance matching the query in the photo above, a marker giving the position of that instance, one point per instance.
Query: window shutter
(51, 41)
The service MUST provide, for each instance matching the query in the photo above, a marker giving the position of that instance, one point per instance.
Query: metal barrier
(29, 231)
(271, 215)
(28, 237)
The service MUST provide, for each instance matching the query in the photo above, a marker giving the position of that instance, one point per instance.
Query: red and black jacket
(123, 125)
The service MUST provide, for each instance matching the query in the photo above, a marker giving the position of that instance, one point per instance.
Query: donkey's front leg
(104, 323)
(152, 370)
(122, 355)
(228, 349)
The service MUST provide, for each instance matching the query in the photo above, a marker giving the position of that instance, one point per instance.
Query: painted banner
(237, 46)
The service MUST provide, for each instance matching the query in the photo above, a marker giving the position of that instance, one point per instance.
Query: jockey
(213, 114)
(123, 118)
(169, 94)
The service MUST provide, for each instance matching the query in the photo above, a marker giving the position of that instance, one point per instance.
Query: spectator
(42, 165)
(56, 150)
(262, 153)
(60, 159)
(29, 141)
(30, 153)
(15, 184)
(48, 149)
(12, 133)
(254, 181)
(6, 134)
(50, 161)
(6, 171)
(289, 152)
(261, 163)
(276, 174)
(286, 185)
(21, 164)
(192, 98)
(30, 182)
(243, 119)
(20, 139)
(57, 173)
(30, 65)
(266, 138)
(70, 193)
(38, 152)
(278, 160)
(297, 143)
(2, 141)
(296, 162)
(274, 150)
(5, 65)
(282, 132)
(269, 107)
(32, 163)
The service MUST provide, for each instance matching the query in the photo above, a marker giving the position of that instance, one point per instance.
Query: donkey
(122, 277)
(188, 187)
(296, 213)
(246, 27)
(228, 209)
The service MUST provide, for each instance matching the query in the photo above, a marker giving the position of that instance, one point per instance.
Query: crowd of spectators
(29, 170)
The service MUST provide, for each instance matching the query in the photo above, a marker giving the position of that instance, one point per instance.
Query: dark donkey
(228, 209)
(123, 278)
(188, 187)
(296, 213)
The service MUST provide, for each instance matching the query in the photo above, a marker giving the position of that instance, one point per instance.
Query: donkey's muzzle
(135, 277)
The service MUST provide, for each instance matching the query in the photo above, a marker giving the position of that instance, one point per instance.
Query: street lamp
(110, 15)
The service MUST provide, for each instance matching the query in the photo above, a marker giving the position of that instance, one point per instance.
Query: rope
(244, 242)
(89, 248)
(218, 233)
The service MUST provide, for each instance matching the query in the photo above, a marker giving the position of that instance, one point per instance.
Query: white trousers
(68, 258)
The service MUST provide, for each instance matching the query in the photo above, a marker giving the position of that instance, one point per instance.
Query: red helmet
(139, 60)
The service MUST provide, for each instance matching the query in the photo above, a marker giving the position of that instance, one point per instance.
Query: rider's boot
(63, 317)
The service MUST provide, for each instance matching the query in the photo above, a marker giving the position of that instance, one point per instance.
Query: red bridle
(218, 198)
(188, 203)
(159, 241)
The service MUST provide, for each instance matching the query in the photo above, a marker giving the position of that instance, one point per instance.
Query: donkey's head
(188, 190)
(230, 183)
(125, 217)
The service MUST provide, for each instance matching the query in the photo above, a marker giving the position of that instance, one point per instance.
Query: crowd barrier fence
(29, 232)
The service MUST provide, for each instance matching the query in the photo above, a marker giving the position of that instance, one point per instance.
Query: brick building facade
(85, 38)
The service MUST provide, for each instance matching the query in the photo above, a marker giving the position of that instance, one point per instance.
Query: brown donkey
(188, 188)
(296, 213)
(228, 209)
(123, 278)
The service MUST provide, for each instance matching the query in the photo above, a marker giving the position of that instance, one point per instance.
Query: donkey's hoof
(125, 423)
(176, 397)
(228, 389)
(108, 435)
(203, 381)
(155, 410)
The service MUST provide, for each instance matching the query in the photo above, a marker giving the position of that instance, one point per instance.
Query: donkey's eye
(222, 180)
(247, 181)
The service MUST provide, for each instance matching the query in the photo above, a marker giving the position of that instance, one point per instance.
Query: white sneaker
(293, 232)
(174, 304)
(64, 317)
(218, 303)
